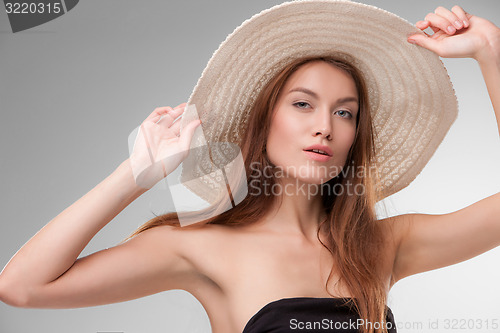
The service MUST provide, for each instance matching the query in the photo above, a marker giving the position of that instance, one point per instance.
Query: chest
(287, 272)
(251, 272)
(257, 272)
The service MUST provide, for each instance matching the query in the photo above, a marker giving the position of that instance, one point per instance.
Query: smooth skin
(159, 148)
(265, 263)
(311, 109)
(428, 242)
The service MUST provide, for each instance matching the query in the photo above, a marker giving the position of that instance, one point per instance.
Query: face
(316, 109)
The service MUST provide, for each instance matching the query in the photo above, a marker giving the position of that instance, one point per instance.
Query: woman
(282, 249)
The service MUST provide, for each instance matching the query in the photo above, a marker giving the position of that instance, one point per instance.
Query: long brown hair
(354, 238)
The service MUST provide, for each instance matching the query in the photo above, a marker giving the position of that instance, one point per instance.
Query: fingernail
(458, 24)
(466, 24)
(412, 41)
(450, 29)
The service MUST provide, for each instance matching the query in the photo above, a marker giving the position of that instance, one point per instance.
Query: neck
(297, 210)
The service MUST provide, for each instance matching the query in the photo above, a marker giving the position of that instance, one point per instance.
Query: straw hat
(413, 102)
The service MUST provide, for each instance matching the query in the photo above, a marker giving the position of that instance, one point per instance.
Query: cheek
(281, 136)
(282, 129)
(344, 137)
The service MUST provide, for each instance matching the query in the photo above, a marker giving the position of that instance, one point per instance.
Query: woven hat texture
(413, 103)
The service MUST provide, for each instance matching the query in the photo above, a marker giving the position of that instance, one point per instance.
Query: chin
(313, 180)
(311, 176)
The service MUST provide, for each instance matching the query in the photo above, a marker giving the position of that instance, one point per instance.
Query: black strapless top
(310, 314)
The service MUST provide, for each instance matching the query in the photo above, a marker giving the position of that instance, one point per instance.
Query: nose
(323, 125)
(324, 133)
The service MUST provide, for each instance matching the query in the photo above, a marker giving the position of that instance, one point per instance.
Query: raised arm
(490, 68)
(54, 249)
(472, 37)
(429, 242)
(45, 272)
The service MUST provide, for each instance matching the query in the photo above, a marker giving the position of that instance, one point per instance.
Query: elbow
(13, 296)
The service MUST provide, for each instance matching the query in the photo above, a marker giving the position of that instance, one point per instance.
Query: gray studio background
(73, 89)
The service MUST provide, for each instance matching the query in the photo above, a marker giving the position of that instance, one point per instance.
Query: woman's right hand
(160, 147)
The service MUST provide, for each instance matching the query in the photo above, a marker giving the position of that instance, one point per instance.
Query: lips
(320, 150)
(317, 156)
(317, 151)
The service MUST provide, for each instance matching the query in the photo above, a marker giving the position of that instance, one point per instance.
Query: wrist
(123, 177)
(490, 52)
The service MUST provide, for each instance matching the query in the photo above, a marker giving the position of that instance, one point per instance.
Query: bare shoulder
(430, 241)
(204, 247)
(156, 260)
(394, 228)
(189, 240)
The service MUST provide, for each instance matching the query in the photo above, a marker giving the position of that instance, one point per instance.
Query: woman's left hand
(458, 34)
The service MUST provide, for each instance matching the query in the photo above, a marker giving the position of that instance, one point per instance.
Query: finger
(438, 34)
(187, 134)
(183, 105)
(441, 23)
(176, 127)
(450, 16)
(422, 25)
(157, 113)
(169, 118)
(429, 43)
(460, 13)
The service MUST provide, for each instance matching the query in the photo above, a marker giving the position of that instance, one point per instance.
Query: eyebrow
(313, 94)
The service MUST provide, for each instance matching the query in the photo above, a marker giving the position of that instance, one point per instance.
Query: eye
(344, 114)
(301, 105)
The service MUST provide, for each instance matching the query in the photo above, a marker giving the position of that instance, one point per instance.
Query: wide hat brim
(412, 99)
